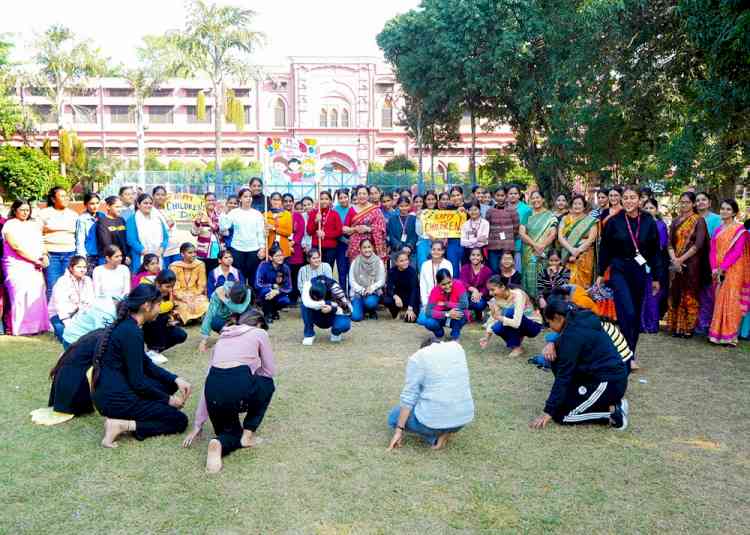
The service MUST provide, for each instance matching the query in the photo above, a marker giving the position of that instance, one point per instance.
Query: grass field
(683, 466)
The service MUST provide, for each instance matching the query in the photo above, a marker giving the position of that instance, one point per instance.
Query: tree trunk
(140, 134)
(473, 159)
(420, 151)
(60, 103)
(218, 116)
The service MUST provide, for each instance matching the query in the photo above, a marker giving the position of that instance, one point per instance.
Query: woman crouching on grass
(128, 389)
(240, 379)
(436, 400)
(512, 316)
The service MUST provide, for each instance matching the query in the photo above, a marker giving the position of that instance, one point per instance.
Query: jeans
(628, 282)
(454, 254)
(437, 326)
(247, 263)
(413, 425)
(361, 305)
(342, 265)
(58, 263)
(493, 259)
(58, 327)
(338, 323)
(514, 335)
(478, 306)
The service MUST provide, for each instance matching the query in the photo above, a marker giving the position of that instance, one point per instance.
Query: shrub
(400, 162)
(28, 173)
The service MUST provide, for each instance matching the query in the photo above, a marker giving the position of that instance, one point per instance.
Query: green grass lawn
(682, 466)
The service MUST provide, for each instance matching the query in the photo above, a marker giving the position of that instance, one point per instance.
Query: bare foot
(213, 459)
(248, 440)
(113, 429)
(516, 352)
(634, 366)
(441, 441)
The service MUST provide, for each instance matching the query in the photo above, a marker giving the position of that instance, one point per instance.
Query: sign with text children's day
(291, 160)
(184, 206)
(442, 223)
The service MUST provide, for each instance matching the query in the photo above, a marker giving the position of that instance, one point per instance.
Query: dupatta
(575, 232)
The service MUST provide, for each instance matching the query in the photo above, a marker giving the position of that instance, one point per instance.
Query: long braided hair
(67, 354)
(139, 296)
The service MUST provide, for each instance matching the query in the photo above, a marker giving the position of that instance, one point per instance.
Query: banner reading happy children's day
(442, 223)
(184, 206)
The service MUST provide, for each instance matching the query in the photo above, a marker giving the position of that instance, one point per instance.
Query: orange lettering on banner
(442, 223)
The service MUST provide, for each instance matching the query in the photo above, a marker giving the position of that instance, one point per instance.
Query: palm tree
(63, 64)
(217, 41)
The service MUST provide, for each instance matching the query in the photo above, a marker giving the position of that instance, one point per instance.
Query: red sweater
(332, 227)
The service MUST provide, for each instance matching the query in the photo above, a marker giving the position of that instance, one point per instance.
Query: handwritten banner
(442, 223)
(184, 206)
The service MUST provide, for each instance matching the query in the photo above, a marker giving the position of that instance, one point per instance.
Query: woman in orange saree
(365, 222)
(577, 236)
(730, 266)
(688, 252)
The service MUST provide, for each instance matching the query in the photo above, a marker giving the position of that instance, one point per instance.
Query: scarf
(149, 231)
(366, 270)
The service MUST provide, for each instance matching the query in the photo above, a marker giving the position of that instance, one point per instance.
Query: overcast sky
(294, 27)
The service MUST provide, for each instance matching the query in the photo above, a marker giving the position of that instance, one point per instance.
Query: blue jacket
(134, 242)
(86, 234)
(265, 278)
(395, 230)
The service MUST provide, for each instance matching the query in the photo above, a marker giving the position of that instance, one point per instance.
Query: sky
(294, 27)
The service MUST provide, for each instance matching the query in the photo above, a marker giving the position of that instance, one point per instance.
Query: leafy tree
(217, 42)
(64, 64)
(27, 173)
(400, 162)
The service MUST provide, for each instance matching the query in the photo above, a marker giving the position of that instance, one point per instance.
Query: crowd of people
(597, 274)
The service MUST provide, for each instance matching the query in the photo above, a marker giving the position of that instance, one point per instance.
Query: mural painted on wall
(291, 160)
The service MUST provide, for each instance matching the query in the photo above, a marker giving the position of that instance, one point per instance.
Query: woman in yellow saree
(689, 269)
(538, 235)
(577, 236)
(730, 265)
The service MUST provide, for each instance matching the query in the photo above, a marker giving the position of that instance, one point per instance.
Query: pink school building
(350, 104)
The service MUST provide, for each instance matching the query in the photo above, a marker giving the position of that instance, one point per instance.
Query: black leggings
(247, 263)
(152, 418)
(159, 336)
(232, 391)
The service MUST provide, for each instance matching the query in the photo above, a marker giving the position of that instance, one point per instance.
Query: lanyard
(637, 232)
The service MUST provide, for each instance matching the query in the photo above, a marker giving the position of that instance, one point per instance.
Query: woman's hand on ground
(203, 346)
(484, 341)
(398, 302)
(540, 422)
(195, 433)
(548, 352)
(410, 316)
(397, 441)
(176, 401)
(185, 388)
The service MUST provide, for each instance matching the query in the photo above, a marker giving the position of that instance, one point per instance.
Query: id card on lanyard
(639, 258)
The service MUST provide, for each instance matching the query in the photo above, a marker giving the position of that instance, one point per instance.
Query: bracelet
(400, 428)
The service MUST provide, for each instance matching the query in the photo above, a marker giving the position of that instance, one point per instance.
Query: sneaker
(619, 418)
(540, 362)
(625, 407)
(156, 358)
(308, 340)
(336, 338)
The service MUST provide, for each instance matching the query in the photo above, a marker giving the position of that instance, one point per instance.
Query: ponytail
(73, 347)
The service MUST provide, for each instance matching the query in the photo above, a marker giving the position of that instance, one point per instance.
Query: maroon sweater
(503, 228)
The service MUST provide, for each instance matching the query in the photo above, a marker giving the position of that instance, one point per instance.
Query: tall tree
(218, 42)
(64, 64)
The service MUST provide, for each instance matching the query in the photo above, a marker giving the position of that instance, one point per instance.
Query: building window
(192, 151)
(173, 151)
(45, 112)
(241, 92)
(248, 114)
(334, 119)
(386, 151)
(192, 93)
(279, 114)
(386, 118)
(163, 92)
(160, 114)
(120, 92)
(384, 88)
(192, 115)
(120, 115)
(83, 92)
(323, 118)
(84, 114)
(345, 118)
(247, 151)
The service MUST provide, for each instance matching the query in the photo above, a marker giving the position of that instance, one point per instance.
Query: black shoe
(275, 316)
(619, 417)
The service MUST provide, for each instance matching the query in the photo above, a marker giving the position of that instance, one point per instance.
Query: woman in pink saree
(365, 222)
(23, 262)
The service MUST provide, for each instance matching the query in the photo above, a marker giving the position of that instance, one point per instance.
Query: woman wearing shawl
(190, 290)
(688, 254)
(577, 235)
(278, 224)
(23, 262)
(365, 222)
(366, 281)
(538, 235)
(146, 233)
(206, 229)
(730, 267)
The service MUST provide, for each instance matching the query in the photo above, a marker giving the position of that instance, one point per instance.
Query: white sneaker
(156, 358)
(308, 340)
(336, 338)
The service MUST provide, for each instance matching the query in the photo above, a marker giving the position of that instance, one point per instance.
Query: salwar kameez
(190, 290)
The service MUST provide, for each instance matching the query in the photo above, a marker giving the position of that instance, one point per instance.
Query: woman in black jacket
(132, 392)
(590, 376)
(70, 392)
